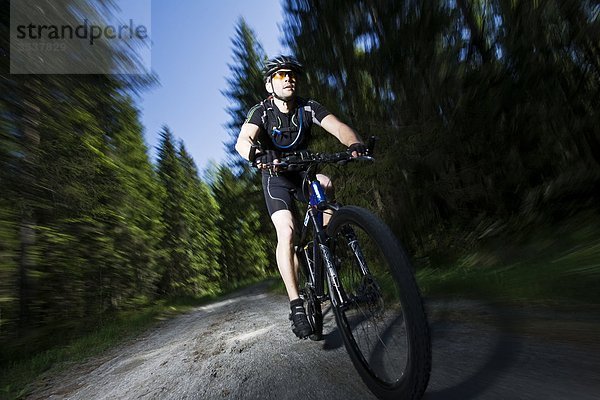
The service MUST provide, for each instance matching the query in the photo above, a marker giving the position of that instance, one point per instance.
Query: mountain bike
(357, 264)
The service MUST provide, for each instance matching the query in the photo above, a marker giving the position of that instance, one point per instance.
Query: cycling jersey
(285, 132)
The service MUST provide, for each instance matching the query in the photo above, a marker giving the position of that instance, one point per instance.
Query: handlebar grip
(371, 145)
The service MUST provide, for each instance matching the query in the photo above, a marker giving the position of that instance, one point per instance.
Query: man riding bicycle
(282, 123)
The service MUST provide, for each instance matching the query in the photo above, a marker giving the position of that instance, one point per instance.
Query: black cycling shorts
(281, 189)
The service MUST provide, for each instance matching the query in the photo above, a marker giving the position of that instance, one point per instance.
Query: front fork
(318, 204)
(352, 241)
(336, 294)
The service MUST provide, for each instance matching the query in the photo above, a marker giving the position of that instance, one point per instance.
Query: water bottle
(318, 193)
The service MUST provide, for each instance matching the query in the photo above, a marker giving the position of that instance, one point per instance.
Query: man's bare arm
(248, 134)
(341, 131)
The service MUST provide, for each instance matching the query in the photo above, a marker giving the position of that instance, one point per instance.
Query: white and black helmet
(281, 62)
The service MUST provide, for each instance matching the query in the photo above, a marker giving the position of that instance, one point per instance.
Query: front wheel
(381, 317)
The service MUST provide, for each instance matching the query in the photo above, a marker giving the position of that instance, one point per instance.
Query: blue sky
(191, 47)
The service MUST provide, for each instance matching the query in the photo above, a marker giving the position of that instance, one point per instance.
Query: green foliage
(245, 86)
(87, 224)
(557, 264)
(202, 214)
(481, 108)
(190, 244)
(243, 250)
(245, 226)
(79, 206)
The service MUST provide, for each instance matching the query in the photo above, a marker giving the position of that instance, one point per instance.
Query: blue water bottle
(318, 195)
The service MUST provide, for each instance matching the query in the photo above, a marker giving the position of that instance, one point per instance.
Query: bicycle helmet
(281, 62)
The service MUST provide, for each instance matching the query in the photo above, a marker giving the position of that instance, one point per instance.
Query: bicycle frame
(323, 259)
(318, 203)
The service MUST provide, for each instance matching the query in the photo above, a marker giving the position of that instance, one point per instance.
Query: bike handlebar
(302, 160)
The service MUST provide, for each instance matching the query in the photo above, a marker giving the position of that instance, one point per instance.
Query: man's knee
(284, 225)
(285, 234)
(326, 183)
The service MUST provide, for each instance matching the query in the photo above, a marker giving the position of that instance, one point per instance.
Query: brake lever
(294, 167)
(278, 167)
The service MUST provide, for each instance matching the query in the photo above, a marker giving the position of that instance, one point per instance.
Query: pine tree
(175, 241)
(201, 214)
(244, 254)
(246, 87)
(448, 88)
(139, 205)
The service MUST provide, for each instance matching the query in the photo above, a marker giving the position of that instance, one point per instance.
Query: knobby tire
(385, 328)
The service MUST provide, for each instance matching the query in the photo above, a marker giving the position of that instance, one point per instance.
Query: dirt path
(242, 348)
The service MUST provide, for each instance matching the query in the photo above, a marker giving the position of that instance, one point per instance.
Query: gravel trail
(241, 347)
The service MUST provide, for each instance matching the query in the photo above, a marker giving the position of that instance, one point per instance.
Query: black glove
(267, 156)
(360, 148)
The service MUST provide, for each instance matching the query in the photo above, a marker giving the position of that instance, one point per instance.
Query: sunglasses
(280, 75)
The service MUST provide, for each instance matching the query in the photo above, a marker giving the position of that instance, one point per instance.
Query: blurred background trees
(484, 109)
(88, 224)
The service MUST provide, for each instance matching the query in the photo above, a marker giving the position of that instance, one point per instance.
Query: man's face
(284, 83)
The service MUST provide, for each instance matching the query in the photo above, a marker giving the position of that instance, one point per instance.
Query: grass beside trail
(17, 375)
(557, 266)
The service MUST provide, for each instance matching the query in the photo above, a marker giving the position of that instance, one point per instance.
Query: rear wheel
(382, 319)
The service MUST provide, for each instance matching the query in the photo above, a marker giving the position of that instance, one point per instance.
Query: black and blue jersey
(286, 131)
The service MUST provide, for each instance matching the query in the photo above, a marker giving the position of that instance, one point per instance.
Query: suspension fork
(354, 246)
(368, 284)
(318, 203)
(321, 241)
